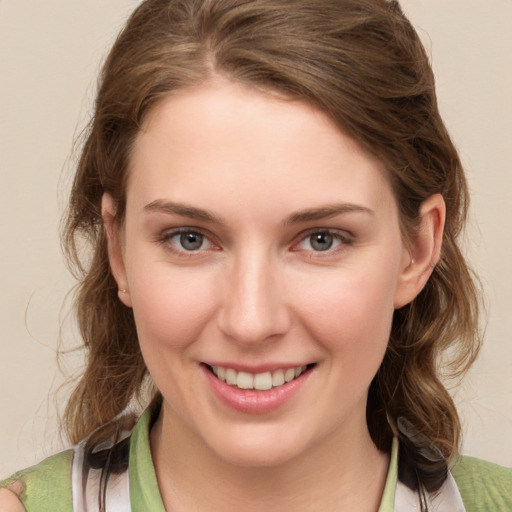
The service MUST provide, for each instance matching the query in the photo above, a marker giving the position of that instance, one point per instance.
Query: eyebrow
(326, 212)
(311, 214)
(185, 210)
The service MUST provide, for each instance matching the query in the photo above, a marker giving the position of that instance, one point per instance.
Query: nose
(254, 308)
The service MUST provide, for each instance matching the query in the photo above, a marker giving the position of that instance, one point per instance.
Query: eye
(186, 240)
(322, 241)
(189, 241)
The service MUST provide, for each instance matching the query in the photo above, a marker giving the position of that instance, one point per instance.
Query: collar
(145, 495)
(397, 497)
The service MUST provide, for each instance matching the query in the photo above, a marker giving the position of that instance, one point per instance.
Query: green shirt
(47, 486)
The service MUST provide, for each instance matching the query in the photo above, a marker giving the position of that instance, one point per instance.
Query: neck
(332, 476)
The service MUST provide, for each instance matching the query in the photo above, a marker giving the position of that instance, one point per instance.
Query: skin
(9, 501)
(257, 292)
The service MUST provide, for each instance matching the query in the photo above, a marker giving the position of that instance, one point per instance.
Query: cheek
(351, 311)
(171, 306)
(171, 310)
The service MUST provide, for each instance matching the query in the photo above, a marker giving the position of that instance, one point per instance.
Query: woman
(273, 205)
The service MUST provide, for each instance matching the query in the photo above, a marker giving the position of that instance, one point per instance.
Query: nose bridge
(253, 309)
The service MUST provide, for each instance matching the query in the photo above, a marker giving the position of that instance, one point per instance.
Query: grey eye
(191, 241)
(321, 241)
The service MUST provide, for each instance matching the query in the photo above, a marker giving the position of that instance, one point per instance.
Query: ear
(115, 248)
(424, 251)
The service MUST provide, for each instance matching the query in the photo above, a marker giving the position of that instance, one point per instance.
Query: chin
(257, 457)
(252, 449)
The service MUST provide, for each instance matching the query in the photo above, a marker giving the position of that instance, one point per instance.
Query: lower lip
(251, 401)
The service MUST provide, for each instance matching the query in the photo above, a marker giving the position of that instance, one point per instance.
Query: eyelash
(343, 239)
(165, 239)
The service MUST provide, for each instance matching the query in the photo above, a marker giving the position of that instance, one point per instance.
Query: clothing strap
(447, 499)
(96, 489)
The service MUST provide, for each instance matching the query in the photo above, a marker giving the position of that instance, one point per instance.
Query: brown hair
(362, 63)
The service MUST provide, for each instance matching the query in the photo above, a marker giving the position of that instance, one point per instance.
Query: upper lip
(255, 369)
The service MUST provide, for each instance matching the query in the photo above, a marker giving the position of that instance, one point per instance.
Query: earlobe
(424, 251)
(115, 250)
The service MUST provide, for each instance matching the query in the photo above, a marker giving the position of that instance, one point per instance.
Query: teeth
(244, 380)
(263, 381)
(289, 374)
(260, 381)
(230, 377)
(278, 378)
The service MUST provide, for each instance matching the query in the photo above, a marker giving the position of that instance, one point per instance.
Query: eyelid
(166, 235)
(345, 237)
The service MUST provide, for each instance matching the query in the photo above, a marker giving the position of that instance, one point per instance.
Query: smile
(259, 381)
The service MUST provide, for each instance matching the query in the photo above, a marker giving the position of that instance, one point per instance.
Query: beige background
(49, 57)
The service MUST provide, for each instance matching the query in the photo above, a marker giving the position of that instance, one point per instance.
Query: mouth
(259, 381)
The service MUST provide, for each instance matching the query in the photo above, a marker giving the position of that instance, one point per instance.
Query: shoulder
(483, 485)
(9, 501)
(40, 487)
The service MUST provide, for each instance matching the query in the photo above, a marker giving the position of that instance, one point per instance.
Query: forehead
(224, 141)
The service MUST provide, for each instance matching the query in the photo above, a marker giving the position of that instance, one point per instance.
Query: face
(263, 259)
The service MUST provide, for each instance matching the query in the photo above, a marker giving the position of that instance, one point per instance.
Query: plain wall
(50, 53)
